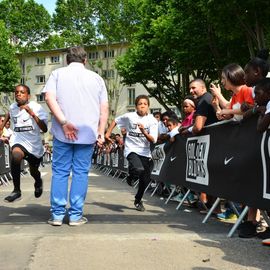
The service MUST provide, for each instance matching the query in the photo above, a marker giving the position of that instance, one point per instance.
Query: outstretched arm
(109, 131)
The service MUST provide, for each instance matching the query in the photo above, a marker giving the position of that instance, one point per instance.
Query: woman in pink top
(188, 109)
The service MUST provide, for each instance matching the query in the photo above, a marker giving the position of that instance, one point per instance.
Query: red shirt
(244, 95)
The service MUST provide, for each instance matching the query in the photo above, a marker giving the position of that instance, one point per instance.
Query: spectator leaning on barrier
(119, 141)
(189, 108)
(262, 98)
(204, 115)
(173, 126)
(255, 70)
(162, 126)
(142, 129)
(28, 118)
(77, 98)
(233, 79)
(8, 133)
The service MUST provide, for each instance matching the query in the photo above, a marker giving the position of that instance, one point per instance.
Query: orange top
(244, 95)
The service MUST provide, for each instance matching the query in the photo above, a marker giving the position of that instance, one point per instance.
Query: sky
(48, 4)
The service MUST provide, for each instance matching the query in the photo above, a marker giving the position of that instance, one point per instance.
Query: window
(55, 59)
(108, 74)
(131, 110)
(155, 110)
(177, 112)
(23, 66)
(40, 79)
(93, 55)
(40, 97)
(109, 54)
(40, 60)
(5, 100)
(131, 96)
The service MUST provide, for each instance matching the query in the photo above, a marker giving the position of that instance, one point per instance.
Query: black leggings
(16, 160)
(140, 167)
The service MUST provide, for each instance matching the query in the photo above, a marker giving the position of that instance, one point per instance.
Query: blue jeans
(69, 157)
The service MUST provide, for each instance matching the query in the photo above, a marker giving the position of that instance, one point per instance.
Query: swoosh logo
(24, 120)
(226, 161)
(173, 158)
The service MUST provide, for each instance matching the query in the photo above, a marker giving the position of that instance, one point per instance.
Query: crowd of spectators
(250, 95)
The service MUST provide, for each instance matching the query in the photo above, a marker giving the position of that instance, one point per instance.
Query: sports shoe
(177, 198)
(247, 230)
(79, 222)
(227, 215)
(55, 222)
(191, 198)
(139, 206)
(14, 196)
(265, 234)
(38, 188)
(266, 242)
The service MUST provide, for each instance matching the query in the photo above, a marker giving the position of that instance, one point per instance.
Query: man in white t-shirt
(142, 129)
(28, 119)
(77, 98)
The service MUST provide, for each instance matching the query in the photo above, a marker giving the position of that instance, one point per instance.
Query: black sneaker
(139, 206)
(14, 196)
(38, 188)
(265, 234)
(247, 230)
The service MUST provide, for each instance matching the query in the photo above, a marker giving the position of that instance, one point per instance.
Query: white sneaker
(55, 222)
(79, 222)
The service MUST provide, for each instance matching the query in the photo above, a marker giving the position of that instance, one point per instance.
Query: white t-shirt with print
(135, 141)
(26, 130)
(267, 108)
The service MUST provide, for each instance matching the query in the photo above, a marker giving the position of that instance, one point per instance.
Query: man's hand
(219, 115)
(261, 109)
(101, 140)
(70, 131)
(183, 131)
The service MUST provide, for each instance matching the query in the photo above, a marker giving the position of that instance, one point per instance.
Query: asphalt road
(117, 236)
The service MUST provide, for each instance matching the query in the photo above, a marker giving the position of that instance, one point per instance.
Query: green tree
(9, 65)
(74, 21)
(247, 18)
(115, 22)
(97, 22)
(27, 21)
(54, 41)
(178, 40)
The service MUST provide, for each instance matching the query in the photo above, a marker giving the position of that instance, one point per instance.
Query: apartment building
(37, 66)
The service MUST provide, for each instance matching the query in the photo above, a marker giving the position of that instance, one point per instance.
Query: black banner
(4, 158)
(229, 160)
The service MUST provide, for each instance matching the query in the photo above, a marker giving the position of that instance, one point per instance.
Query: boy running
(142, 129)
(28, 118)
